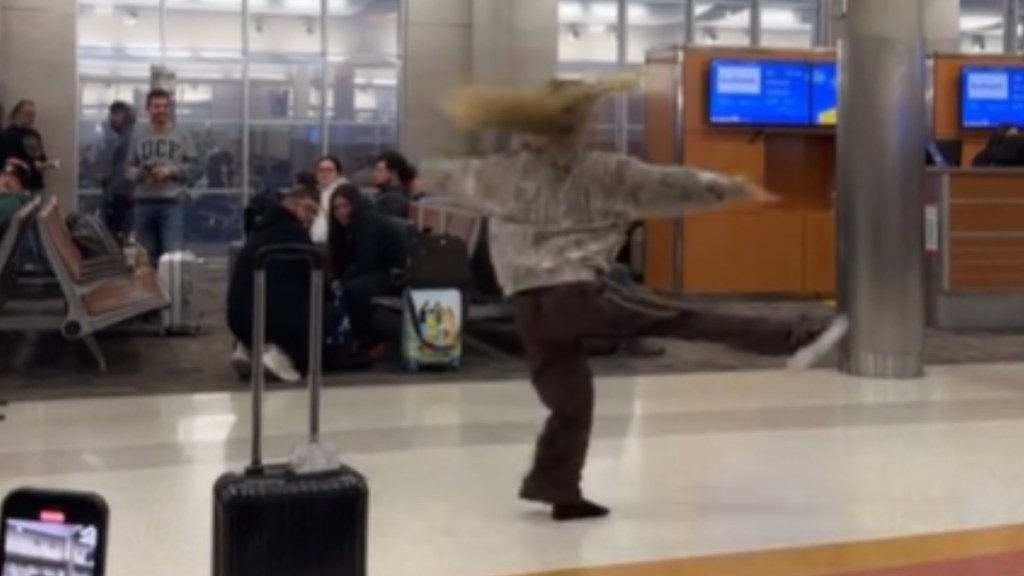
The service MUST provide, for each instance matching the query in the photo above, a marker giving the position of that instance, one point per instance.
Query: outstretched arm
(671, 190)
(466, 181)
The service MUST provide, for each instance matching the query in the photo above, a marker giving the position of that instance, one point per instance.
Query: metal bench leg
(97, 352)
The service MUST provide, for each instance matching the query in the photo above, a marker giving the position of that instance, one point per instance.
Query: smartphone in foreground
(53, 533)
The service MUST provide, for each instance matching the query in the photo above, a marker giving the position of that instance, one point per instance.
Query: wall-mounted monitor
(824, 93)
(990, 96)
(759, 93)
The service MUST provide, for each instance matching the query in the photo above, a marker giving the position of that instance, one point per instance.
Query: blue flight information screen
(991, 96)
(765, 92)
(824, 93)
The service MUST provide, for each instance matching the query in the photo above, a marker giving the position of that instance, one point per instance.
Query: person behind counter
(1005, 148)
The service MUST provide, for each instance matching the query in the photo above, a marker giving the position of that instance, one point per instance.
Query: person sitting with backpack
(286, 355)
(366, 251)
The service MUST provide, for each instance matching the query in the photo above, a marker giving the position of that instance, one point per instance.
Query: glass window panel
(279, 151)
(635, 143)
(278, 36)
(653, 25)
(981, 26)
(357, 145)
(723, 23)
(209, 31)
(588, 31)
(285, 91)
(364, 32)
(787, 23)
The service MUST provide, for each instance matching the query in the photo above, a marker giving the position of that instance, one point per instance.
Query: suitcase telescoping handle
(316, 295)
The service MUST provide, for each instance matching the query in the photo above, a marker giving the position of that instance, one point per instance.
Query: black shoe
(641, 348)
(580, 510)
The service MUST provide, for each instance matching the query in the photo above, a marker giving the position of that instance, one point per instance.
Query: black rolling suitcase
(304, 518)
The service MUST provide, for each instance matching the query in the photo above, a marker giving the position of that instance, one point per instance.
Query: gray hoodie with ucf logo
(172, 148)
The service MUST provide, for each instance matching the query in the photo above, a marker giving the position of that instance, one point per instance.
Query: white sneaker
(241, 361)
(280, 365)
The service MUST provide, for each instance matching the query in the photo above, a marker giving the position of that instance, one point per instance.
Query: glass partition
(306, 92)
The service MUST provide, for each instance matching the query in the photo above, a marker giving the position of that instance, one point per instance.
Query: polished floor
(698, 468)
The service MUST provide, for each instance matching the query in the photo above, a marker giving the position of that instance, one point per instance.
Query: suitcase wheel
(411, 366)
(454, 365)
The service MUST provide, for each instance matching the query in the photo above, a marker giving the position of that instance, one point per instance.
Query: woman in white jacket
(328, 177)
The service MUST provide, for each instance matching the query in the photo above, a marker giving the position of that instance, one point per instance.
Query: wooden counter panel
(987, 282)
(658, 266)
(744, 252)
(820, 252)
(987, 217)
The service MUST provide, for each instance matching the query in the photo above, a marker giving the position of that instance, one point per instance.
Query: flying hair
(559, 107)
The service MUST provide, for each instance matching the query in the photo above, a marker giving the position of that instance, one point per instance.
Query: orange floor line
(829, 560)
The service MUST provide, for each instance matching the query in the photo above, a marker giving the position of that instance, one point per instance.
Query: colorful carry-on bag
(179, 275)
(304, 518)
(432, 321)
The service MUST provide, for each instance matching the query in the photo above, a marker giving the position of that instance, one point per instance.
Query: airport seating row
(77, 296)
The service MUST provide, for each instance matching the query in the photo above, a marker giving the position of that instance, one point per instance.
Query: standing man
(118, 200)
(164, 166)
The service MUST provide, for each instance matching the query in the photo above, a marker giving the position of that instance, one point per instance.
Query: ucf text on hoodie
(171, 147)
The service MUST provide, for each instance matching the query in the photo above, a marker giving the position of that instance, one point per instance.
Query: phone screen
(51, 541)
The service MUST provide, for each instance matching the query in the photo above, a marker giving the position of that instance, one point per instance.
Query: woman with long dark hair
(365, 251)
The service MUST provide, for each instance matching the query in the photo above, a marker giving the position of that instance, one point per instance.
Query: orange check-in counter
(790, 249)
(977, 248)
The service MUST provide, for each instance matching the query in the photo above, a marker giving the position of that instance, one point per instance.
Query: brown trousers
(553, 324)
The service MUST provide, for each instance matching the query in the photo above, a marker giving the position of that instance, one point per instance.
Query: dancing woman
(558, 216)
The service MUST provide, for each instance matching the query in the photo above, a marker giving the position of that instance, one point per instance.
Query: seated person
(365, 250)
(13, 192)
(1004, 148)
(286, 355)
(394, 176)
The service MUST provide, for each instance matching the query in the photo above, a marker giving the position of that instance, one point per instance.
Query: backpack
(438, 261)
(92, 236)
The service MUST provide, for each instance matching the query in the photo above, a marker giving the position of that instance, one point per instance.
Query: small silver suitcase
(178, 274)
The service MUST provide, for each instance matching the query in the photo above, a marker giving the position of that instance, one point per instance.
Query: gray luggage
(179, 275)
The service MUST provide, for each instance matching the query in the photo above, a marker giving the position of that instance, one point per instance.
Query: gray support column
(755, 22)
(1011, 27)
(446, 42)
(622, 55)
(825, 24)
(941, 25)
(39, 61)
(436, 56)
(880, 207)
(690, 22)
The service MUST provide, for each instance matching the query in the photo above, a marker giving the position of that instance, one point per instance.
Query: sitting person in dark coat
(366, 250)
(286, 355)
(394, 177)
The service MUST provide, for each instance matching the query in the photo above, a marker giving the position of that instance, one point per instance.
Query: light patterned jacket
(561, 218)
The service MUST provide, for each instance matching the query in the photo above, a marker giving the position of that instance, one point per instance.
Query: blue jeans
(160, 226)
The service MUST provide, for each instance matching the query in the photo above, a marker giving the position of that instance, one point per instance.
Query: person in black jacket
(366, 249)
(393, 175)
(286, 355)
(1004, 148)
(22, 141)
